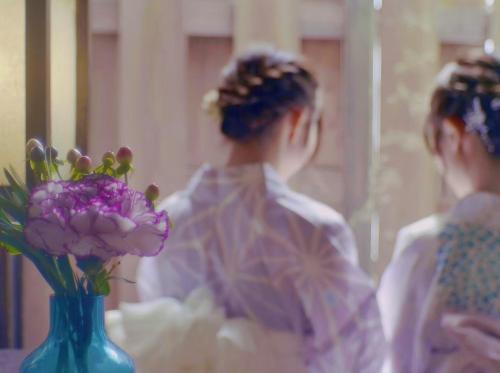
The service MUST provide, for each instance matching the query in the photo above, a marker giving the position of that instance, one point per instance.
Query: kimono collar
(479, 208)
(216, 183)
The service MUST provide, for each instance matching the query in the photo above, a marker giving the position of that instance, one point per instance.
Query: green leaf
(66, 271)
(40, 170)
(42, 261)
(14, 199)
(47, 268)
(6, 222)
(105, 170)
(6, 225)
(90, 265)
(54, 167)
(77, 175)
(10, 249)
(18, 188)
(123, 169)
(12, 244)
(101, 283)
(18, 178)
(97, 276)
(12, 209)
(102, 287)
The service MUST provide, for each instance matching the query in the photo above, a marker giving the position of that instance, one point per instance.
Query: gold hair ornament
(210, 105)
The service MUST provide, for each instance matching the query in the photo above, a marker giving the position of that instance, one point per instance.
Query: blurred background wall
(148, 63)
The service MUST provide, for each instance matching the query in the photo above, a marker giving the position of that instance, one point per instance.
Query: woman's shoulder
(419, 235)
(480, 208)
(407, 279)
(315, 219)
(418, 244)
(414, 258)
(308, 209)
(176, 203)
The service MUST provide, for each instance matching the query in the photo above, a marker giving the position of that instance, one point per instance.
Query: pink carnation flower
(96, 216)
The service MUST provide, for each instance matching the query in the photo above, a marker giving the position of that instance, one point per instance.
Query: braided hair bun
(468, 90)
(258, 88)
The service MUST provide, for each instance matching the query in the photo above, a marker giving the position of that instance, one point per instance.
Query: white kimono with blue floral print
(440, 297)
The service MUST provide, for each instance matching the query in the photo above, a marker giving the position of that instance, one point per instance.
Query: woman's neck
(488, 178)
(491, 187)
(254, 152)
(242, 154)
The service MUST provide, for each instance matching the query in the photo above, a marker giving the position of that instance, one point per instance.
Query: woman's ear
(453, 135)
(298, 121)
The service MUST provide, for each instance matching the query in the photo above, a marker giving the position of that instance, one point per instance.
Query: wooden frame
(37, 109)
(38, 69)
(319, 20)
(103, 16)
(37, 26)
(82, 74)
(358, 77)
(4, 314)
(10, 300)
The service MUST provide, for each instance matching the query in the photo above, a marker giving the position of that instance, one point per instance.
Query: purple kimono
(274, 256)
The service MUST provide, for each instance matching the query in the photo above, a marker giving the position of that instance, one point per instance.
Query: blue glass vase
(77, 341)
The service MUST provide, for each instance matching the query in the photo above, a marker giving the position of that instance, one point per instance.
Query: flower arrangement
(93, 217)
(74, 231)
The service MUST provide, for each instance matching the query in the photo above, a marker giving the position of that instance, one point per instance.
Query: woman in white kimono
(265, 252)
(440, 296)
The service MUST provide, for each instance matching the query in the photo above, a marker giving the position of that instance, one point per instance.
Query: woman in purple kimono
(265, 252)
(440, 296)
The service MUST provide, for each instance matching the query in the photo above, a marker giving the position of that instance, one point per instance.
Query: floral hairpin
(210, 105)
(475, 122)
